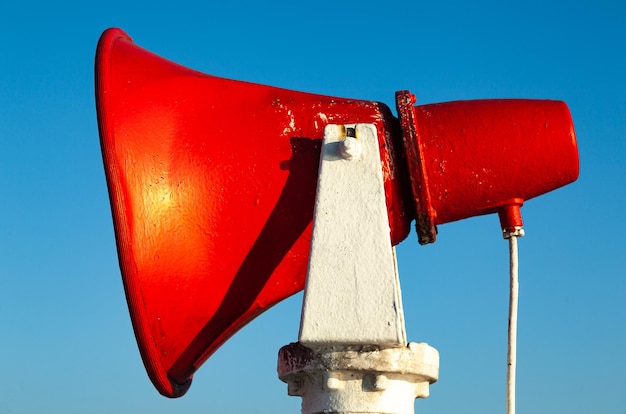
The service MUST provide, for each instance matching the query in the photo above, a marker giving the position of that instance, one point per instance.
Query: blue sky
(66, 343)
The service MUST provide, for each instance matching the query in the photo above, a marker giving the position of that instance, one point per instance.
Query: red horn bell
(212, 185)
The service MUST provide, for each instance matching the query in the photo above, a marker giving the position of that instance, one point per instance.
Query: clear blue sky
(66, 343)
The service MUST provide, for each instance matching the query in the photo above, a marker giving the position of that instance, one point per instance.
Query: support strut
(352, 355)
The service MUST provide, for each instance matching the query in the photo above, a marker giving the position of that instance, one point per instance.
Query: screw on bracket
(350, 148)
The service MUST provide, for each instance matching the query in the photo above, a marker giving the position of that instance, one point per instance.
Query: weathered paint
(359, 379)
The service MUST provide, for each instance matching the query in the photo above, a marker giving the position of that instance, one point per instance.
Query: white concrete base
(358, 379)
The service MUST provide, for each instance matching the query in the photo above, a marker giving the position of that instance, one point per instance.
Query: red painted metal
(212, 185)
(468, 158)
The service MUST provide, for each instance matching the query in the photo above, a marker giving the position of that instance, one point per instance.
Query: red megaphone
(212, 185)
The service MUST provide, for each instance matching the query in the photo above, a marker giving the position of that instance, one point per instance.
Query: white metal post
(352, 355)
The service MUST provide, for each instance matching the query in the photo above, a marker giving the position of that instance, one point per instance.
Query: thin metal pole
(512, 348)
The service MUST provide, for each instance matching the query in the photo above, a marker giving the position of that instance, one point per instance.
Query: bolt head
(350, 148)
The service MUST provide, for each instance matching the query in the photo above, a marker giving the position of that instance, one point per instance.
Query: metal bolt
(381, 382)
(350, 148)
(332, 382)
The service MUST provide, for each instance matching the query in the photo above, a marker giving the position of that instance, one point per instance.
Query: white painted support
(352, 355)
(352, 292)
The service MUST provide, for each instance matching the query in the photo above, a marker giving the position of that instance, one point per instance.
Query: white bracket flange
(352, 293)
